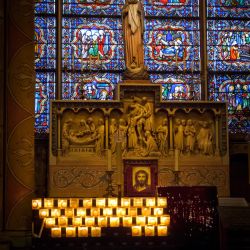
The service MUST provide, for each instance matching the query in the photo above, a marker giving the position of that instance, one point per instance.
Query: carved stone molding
(20, 152)
(22, 77)
(21, 12)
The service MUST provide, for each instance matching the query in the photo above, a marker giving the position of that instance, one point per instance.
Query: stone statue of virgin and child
(133, 29)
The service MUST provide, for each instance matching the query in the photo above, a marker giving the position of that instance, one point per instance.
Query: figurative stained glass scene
(228, 45)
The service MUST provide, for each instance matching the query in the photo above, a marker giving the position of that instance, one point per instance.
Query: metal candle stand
(109, 189)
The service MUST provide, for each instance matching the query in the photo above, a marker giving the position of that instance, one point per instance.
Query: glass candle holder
(56, 232)
(165, 220)
(36, 204)
(162, 230)
(77, 221)
(162, 201)
(95, 231)
(136, 231)
(102, 221)
(62, 203)
(100, 202)
(125, 202)
(150, 201)
(48, 203)
(55, 212)
(81, 212)
(114, 222)
(70, 232)
(89, 221)
(127, 221)
(50, 222)
(43, 213)
(149, 231)
(83, 232)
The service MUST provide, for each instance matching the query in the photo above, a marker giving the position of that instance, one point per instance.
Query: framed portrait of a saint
(140, 177)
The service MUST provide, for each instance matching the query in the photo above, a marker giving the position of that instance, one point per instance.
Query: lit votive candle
(43, 213)
(138, 202)
(132, 211)
(127, 221)
(69, 212)
(81, 212)
(149, 231)
(82, 231)
(36, 204)
(162, 230)
(125, 202)
(162, 202)
(107, 211)
(55, 212)
(56, 232)
(112, 202)
(140, 220)
(87, 203)
(77, 221)
(95, 231)
(62, 221)
(165, 220)
(62, 203)
(70, 232)
(89, 221)
(146, 211)
(48, 202)
(95, 211)
(152, 220)
(102, 221)
(150, 202)
(100, 202)
(158, 211)
(120, 211)
(50, 222)
(74, 202)
(114, 222)
(136, 230)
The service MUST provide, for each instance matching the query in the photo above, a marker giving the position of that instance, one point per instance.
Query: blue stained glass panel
(235, 89)
(170, 8)
(228, 45)
(98, 86)
(179, 87)
(45, 42)
(45, 91)
(95, 7)
(172, 45)
(45, 7)
(228, 8)
(92, 43)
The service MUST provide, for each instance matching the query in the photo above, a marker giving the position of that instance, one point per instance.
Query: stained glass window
(228, 42)
(93, 55)
(228, 8)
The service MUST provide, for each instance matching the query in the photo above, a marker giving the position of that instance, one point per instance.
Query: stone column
(19, 118)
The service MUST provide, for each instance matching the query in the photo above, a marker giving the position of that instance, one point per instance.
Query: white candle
(176, 162)
(109, 160)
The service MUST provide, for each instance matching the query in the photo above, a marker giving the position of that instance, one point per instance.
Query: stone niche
(138, 125)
